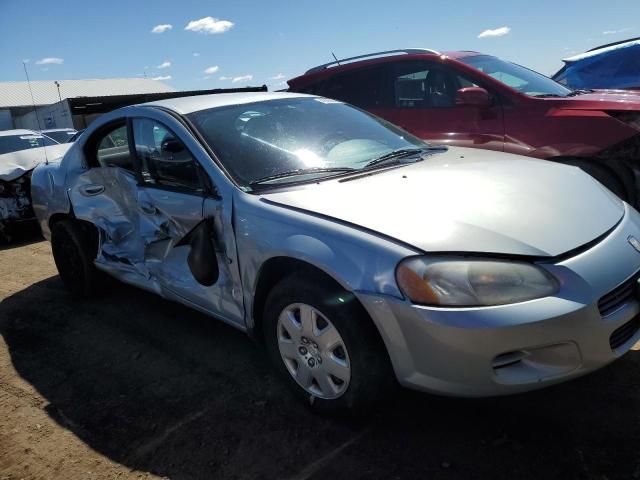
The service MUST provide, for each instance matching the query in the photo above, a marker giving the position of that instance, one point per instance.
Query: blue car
(613, 66)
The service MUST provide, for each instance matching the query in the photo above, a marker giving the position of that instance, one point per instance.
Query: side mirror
(172, 146)
(473, 96)
(202, 259)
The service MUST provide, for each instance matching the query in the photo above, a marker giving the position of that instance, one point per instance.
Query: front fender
(358, 260)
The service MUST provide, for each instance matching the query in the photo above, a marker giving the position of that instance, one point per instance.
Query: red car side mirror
(473, 96)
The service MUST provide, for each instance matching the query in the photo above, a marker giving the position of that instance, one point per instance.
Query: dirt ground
(131, 386)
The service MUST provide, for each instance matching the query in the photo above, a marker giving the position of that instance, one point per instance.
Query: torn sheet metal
(130, 237)
(15, 203)
(151, 238)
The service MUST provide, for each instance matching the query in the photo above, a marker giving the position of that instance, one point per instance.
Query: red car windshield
(517, 77)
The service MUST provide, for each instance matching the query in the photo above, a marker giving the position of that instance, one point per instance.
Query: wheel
(603, 175)
(326, 347)
(74, 252)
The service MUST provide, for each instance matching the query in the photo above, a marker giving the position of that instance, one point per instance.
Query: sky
(191, 44)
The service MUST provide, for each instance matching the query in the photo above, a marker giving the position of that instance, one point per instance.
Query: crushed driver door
(159, 228)
(189, 247)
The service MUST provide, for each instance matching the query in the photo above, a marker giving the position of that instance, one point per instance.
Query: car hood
(15, 164)
(601, 100)
(470, 200)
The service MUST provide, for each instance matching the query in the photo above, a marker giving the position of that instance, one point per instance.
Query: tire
(370, 379)
(74, 251)
(603, 175)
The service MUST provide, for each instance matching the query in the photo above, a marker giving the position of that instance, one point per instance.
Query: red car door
(424, 103)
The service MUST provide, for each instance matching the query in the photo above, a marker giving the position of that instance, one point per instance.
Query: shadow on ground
(20, 234)
(159, 388)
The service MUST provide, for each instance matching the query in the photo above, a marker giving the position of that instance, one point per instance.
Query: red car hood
(601, 100)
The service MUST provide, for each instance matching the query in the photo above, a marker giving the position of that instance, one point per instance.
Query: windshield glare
(263, 139)
(15, 143)
(517, 77)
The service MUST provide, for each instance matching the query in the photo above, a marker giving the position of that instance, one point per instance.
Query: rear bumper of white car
(593, 320)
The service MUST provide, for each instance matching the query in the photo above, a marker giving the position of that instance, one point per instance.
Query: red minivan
(474, 100)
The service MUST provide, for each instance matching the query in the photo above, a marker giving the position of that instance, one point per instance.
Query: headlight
(459, 282)
(630, 118)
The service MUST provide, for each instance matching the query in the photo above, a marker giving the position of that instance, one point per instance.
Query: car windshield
(15, 143)
(60, 136)
(309, 136)
(517, 77)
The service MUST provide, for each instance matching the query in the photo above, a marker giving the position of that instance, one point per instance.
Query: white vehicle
(60, 135)
(20, 152)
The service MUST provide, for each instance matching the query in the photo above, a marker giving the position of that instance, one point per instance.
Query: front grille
(622, 335)
(617, 297)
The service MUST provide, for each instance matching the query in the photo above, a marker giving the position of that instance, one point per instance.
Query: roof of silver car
(186, 105)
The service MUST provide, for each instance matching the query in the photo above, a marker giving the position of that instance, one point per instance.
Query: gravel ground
(131, 386)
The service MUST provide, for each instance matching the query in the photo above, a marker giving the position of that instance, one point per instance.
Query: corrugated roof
(16, 94)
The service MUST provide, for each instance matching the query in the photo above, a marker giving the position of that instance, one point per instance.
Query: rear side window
(365, 88)
(113, 149)
(418, 84)
(164, 160)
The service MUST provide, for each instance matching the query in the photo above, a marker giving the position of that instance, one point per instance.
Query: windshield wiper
(397, 155)
(580, 91)
(300, 171)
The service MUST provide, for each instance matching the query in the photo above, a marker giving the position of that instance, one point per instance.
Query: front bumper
(512, 348)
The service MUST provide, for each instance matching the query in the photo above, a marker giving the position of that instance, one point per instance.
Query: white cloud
(613, 32)
(242, 78)
(225, 78)
(50, 61)
(161, 28)
(209, 25)
(162, 77)
(279, 76)
(211, 70)
(195, 54)
(166, 64)
(497, 32)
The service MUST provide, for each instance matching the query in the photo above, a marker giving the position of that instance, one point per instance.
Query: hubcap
(313, 351)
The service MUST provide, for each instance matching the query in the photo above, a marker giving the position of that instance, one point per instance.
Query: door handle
(148, 208)
(92, 189)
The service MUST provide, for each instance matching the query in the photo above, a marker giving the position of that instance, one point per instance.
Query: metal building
(68, 103)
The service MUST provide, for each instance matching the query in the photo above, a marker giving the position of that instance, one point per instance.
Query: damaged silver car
(358, 254)
(20, 152)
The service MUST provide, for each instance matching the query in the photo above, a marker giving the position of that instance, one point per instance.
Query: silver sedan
(357, 254)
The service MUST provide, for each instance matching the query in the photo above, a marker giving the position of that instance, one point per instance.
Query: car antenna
(336, 58)
(35, 111)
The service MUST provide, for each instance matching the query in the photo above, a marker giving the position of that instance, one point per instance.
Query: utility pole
(58, 85)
